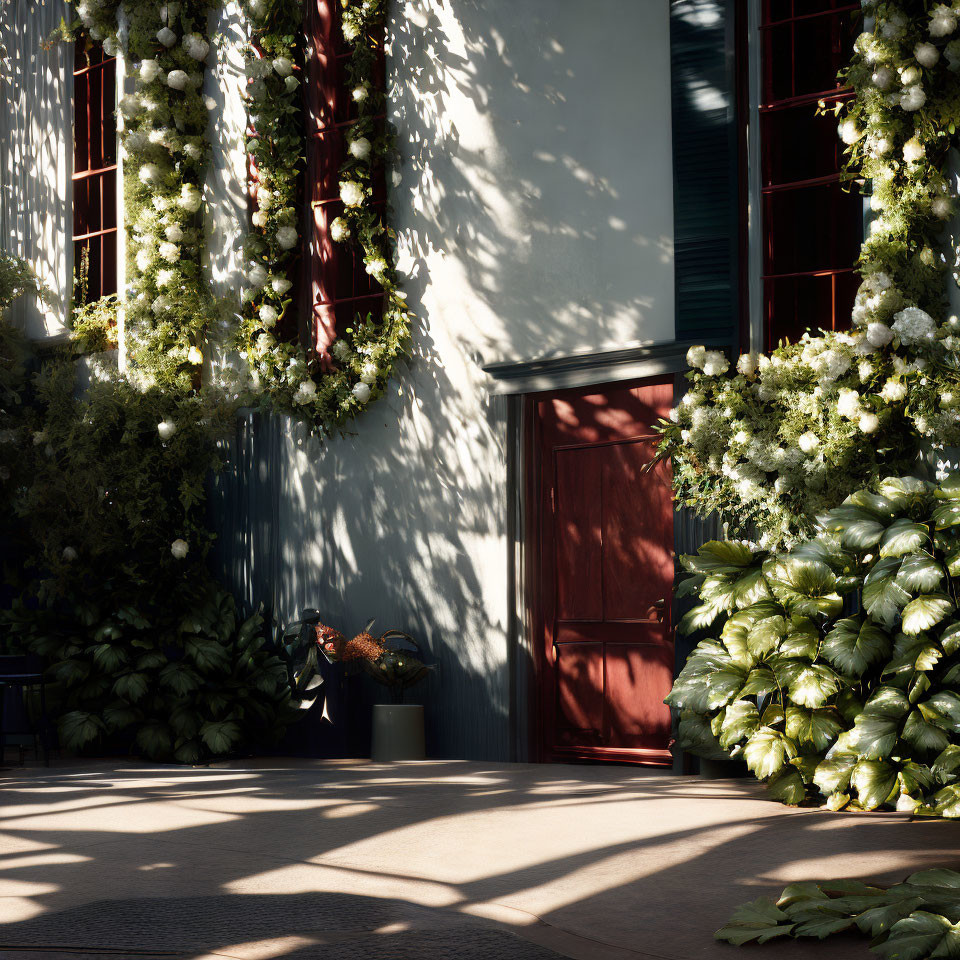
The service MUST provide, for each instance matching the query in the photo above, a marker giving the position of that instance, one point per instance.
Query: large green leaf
(883, 599)
(750, 589)
(903, 537)
(741, 719)
(875, 736)
(888, 702)
(760, 920)
(700, 617)
(766, 752)
(78, 727)
(947, 515)
(724, 684)
(131, 686)
(816, 727)
(765, 636)
(719, 556)
(852, 646)
(814, 685)
(925, 612)
(874, 781)
(923, 734)
(802, 639)
(920, 573)
(154, 738)
(220, 736)
(919, 936)
(859, 529)
(950, 638)
(760, 680)
(833, 774)
(808, 587)
(787, 786)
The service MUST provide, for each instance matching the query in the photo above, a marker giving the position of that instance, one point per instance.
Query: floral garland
(364, 357)
(786, 436)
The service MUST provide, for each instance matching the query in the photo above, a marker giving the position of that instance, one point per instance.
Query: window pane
(794, 304)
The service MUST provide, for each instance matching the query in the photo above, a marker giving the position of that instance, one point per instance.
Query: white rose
(341, 350)
(149, 71)
(291, 83)
(166, 429)
(350, 31)
(339, 230)
(927, 54)
(894, 391)
(178, 79)
(351, 193)
(196, 46)
(361, 391)
(306, 391)
(941, 207)
(808, 442)
(69, 554)
(376, 267)
(943, 21)
(258, 275)
(167, 37)
(869, 422)
(910, 75)
(360, 93)
(913, 98)
(287, 237)
(882, 78)
(850, 133)
(913, 150)
(173, 233)
(149, 173)
(281, 285)
(194, 356)
(264, 198)
(259, 218)
(166, 278)
(190, 198)
(169, 252)
(878, 334)
(360, 148)
(715, 363)
(368, 373)
(696, 357)
(268, 315)
(180, 548)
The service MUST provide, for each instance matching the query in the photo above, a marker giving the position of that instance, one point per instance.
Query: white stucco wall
(535, 217)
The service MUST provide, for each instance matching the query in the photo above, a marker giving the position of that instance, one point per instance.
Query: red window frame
(811, 227)
(338, 285)
(94, 179)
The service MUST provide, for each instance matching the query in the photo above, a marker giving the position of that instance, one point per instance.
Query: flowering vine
(295, 379)
(787, 435)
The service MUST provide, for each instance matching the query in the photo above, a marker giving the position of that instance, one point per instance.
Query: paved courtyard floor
(336, 860)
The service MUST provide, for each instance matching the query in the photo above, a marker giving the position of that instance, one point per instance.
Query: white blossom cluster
(323, 393)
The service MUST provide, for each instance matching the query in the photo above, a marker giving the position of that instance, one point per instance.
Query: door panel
(606, 574)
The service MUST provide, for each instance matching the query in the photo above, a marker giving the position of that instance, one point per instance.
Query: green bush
(832, 670)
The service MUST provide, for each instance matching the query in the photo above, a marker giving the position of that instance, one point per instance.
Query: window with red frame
(812, 227)
(94, 172)
(338, 285)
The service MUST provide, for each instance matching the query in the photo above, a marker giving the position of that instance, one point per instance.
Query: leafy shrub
(912, 920)
(833, 669)
(185, 679)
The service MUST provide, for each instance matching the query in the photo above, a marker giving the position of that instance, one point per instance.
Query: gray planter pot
(397, 732)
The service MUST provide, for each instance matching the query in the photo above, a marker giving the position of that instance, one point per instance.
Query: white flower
(361, 391)
(808, 442)
(258, 275)
(892, 27)
(149, 173)
(166, 278)
(849, 132)
(180, 548)
(268, 315)
(69, 554)
(178, 79)
(913, 326)
(339, 230)
(894, 391)
(869, 422)
(913, 98)
(715, 363)
(196, 46)
(696, 357)
(360, 148)
(927, 54)
(943, 21)
(166, 429)
(368, 372)
(287, 237)
(174, 233)
(913, 150)
(194, 356)
(882, 78)
(264, 344)
(910, 75)
(376, 267)
(848, 404)
(281, 285)
(360, 93)
(941, 207)
(291, 83)
(190, 198)
(283, 66)
(149, 71)
(259, 218)
(306, 391)
(341, 350)
(143, 260)
(351, 193)
(264, 198)
(878, 334)
(883, 146)
(167, 37)
(350, 31)
(169, 252)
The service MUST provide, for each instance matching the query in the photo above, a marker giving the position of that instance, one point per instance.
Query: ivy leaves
(913, 920)
(832, 670)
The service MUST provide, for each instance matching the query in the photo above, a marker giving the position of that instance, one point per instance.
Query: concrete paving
(340, 860)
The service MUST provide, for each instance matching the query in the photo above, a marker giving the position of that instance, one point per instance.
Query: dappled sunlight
(270, 856)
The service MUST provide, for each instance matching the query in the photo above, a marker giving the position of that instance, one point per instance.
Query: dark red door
(606, 574)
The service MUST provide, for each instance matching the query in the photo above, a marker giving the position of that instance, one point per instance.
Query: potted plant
(393, 659)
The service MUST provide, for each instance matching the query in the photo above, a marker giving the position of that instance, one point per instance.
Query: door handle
(658, 608)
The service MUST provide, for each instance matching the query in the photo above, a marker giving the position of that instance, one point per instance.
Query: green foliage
(833, 669)
(94, 325)
(913, 920)
(179, 677)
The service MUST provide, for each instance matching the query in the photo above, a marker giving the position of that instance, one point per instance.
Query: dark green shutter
(705, 168)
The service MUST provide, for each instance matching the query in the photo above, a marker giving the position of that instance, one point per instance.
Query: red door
(606, 574)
